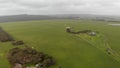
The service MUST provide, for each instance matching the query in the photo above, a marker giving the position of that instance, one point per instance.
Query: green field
(69, 50)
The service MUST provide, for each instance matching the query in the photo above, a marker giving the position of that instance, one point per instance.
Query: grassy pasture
(70, 51)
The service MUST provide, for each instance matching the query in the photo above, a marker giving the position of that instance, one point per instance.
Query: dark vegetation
(77, 32)
(17, 43)
(4, 36)
(27, 55)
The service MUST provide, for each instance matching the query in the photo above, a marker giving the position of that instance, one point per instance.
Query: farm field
(69, 50)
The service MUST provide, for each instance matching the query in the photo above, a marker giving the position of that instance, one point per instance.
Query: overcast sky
(103, 7)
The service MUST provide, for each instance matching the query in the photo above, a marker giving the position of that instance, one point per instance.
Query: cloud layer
(104, 7)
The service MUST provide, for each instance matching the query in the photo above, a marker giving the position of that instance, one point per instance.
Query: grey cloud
(59, 7)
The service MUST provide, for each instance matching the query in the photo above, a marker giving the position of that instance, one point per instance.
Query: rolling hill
(25, 17)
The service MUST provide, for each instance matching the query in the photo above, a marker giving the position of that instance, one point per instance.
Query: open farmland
(69, 50)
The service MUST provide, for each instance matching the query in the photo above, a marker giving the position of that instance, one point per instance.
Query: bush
(28, 56)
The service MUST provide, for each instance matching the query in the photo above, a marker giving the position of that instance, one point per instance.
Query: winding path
(106, 46)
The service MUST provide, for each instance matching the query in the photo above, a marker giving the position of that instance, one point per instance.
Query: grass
(49, 36)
